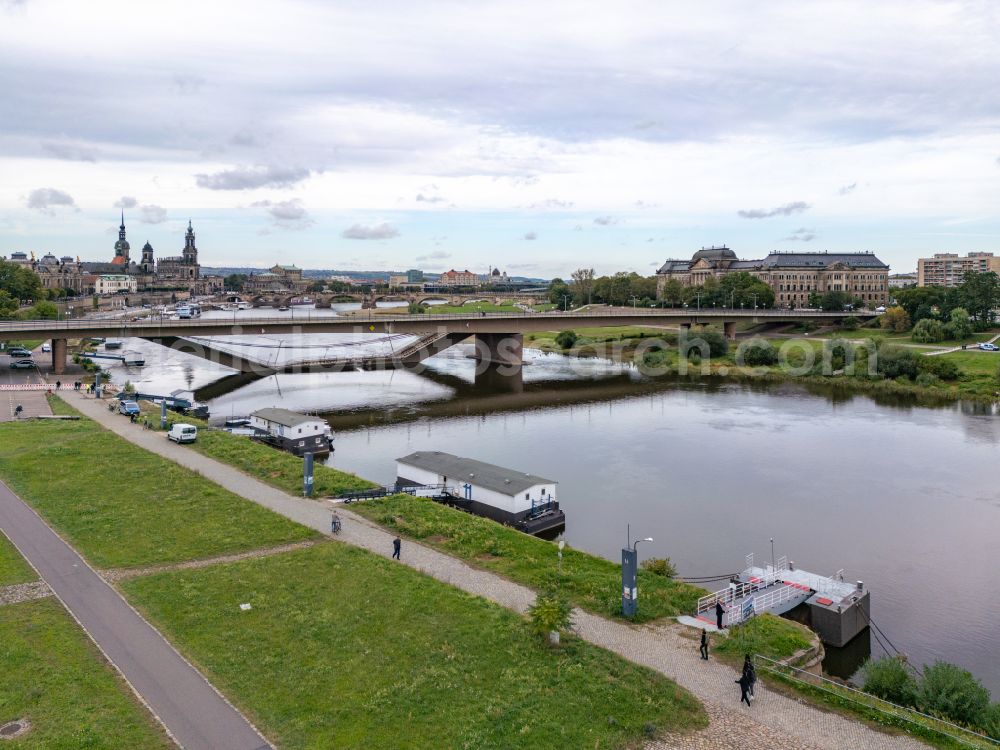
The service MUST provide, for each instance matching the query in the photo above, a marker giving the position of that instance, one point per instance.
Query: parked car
(18, 351)
(183, 433)
(128, 408)
(880, 309)
(46, 347)
(22, 364)
(989, 347)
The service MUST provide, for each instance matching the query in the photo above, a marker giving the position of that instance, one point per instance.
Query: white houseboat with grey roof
(291, 431)
(524, 501)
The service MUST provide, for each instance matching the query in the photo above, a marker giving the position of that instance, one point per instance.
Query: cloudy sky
(537, 137)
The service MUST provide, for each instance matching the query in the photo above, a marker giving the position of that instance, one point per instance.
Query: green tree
(894, 319)
(234, 282)
(551, 613)
(557, 290)
(19, 282)
(566, 339)
(897, 362)
(980, 295)
(41, 311)
(920, 301)
(704, 340)
(850, 323)
(8, 305)
(757, 353)
(959, 327)
(583, 285)
(929, 331)
(889, 679)
(742, 289)
(673, 292)
(317, 287)
(834, 301)
(954, 693)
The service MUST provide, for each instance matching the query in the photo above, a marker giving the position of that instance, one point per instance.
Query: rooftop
(284, 417)
(479, 473)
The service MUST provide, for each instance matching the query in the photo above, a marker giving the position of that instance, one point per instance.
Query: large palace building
(792, 276)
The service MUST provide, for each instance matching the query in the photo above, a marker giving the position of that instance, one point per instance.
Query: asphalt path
(194, 713)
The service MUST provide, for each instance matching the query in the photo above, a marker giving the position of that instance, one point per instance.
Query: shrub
(757, 353)
(991, 721)
(416, 308)
(894, 319)
(926, 379)
(550, 612)
(850, 323)
(712, 338)
(888, 679)
(928, 331)
(953, 692)
(959, 327)
(566, 339)
(897, 362)
(946, 369)
(660, 566)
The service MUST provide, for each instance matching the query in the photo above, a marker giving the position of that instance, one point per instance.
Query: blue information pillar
(629, 590)
(307, 475)
(163, 414)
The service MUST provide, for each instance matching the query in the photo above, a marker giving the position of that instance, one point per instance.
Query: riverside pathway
(774, 721)
(193, 712)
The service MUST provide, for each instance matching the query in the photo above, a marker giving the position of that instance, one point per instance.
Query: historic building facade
(792, 276)
(278, 279)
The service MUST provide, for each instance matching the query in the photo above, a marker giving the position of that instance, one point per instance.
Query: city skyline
(533, 139)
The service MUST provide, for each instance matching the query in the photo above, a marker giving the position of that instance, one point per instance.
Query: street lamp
(565, 297)
(630, 592)
(634, 300)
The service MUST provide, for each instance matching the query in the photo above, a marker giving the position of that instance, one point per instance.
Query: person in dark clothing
(750, 672)
(744, 683)
(704, 644)
(719, 612)
(396, 544)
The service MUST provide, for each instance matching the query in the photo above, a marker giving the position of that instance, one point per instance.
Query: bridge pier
(499, 379)
(500, 348)
(58, 356)
(729, 327)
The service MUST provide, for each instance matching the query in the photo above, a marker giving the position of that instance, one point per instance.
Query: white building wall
(304, 430)
(540, 493)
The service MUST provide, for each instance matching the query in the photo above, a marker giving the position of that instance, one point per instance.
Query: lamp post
(565, 297)
(634, 300)
(698, 298)
(630, 557)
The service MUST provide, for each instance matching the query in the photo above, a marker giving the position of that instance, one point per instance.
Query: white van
(183, 433)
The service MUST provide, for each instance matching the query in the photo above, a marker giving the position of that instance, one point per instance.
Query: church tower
(148, 265)
(190, 251)
(122, 247)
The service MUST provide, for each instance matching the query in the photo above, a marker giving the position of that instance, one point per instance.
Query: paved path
(193, 712)
(774, 721)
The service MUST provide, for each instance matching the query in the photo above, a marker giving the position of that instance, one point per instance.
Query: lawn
(346, 649)
(590, 582)
(13, 567)
(52, 675)
(471, 307)
(766, 634)
(122, 506)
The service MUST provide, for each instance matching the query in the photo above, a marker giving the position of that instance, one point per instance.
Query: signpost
(629, 590)
(163, 414)
(307, 474)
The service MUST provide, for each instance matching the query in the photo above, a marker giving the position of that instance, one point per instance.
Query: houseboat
(188, 311)
(291, 431)
(524, 501)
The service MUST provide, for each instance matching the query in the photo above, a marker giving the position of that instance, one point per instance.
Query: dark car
(18, 351)
(22, 364)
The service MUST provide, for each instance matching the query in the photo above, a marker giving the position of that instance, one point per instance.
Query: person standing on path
(720, 610)
(396, 545)
(750, 672)
(744, 683)
(704, 644)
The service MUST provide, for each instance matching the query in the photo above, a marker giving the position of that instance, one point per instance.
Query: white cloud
(383, 231)
(765, 213)
(47, 200)
(289, 214)
(251, 178)
(126, 201)
(152, 214)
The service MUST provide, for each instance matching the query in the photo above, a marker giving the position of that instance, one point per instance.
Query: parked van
(183, 433)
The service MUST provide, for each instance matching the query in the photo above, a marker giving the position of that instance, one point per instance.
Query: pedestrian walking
(720, 610)
(744, 683)
(58, 384)
(335, 523)
(750, 672)
(704, 644)
(396, 545)
(17, 411)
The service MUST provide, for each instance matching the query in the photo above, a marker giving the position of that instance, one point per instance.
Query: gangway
(838, 610)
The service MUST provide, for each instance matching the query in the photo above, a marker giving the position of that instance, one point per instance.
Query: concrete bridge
(368, 301)
(498, 335)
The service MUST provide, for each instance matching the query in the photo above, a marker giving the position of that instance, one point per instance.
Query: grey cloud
(421, 198)
(186, 83)
(47, 200)
(126, 201)
(69, 152)
(436, 255)
(522, 266)
(644, 204)
(524, 180)
(531, 236)
(846, 189)
(605, 221)
(998, 160)
(801, 235)
(552, 203)
(152, 214)
(286, 214)
(764, 213)
(243, 138)
(383, 231)
(251, 178)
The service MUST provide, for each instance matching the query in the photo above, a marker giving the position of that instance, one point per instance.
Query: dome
(496, 271)
(49, 258)
(67, 259)
(714, 253)
(146, 247)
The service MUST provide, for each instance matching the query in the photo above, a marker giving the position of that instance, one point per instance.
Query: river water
(902, 497)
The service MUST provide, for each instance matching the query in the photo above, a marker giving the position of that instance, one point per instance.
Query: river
(899, 496)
